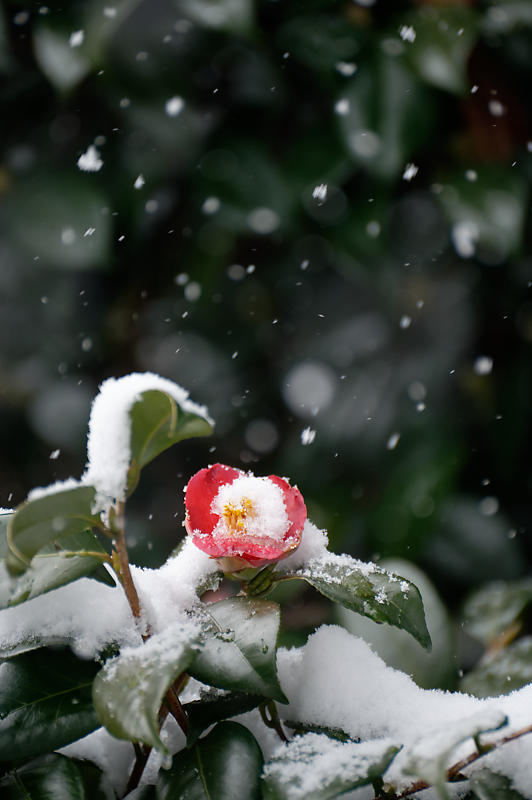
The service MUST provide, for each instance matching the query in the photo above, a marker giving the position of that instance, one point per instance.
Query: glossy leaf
(129, 690)
(380, 102)
(429, 757)
(52, 777)
(224, 765)
(45, 703)
(490, 611)
(158, 422)
(216, 707)
(368, 590)
(507, 670)
(240, 653)
(50, 568)
(38, 522)
(315, 767)
(488, 785)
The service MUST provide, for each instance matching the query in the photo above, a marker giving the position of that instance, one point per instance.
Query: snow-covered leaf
(494, 608)
(509, 669)
(429, 757)
(57, 564)
(443, 42)
(368, 590)
(45, 703)
(382, 98)
(157, 422)
(315, 767)
(240, 653)
(224, 765)
(129, 690)
(488, 785)
(215, 707)
(54, 777)
(47, 515)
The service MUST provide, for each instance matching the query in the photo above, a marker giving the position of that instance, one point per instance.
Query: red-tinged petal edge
(201, 490)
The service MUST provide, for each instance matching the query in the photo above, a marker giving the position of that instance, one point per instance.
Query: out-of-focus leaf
(507, 670)
(471, 547)
(58, 220)
(444, 38)
(321, 42)
(488, 785)
(315, 767)
(45, 703)
(129, 690)
(486, 214)
(368, 590)
(505, 16)
(64, 66)
(52, 777)
(428, 758)
(234, 16)
(240, 653)
(39, 521)
(494, 608)
(158, 422)
(216, 707)
(225, 764)
(380, 103)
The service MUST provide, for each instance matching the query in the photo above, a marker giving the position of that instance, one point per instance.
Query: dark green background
(363, 314)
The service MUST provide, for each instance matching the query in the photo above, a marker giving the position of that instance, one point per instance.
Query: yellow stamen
(235, 516)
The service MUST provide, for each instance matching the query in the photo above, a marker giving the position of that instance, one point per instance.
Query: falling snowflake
(90, 160)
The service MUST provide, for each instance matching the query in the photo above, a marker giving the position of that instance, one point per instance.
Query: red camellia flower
(241, 520)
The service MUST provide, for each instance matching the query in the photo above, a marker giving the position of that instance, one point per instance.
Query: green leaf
(158, 422)
(129, 690)
(224, 765)
(52, 777)
(429, 757)
(64, 206)
(382, 98)
(241, 651)
(490, 611)
(315, 767)
(368, 590)
(45, 703)
(444, 38)
(63, 65)
(51, 568)
(215, 707)
(488, 785)
(38, 522)
(507, 670)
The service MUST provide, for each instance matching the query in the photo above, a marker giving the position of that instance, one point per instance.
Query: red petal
(201, 490)
(295, 506)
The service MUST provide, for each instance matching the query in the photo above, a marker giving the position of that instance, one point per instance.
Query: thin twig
(454, 772)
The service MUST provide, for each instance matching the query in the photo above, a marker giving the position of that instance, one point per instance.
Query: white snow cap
(250, 505)
(108, 446)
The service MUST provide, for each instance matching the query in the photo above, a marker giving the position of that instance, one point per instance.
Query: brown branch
(454, 772)
(119, 541)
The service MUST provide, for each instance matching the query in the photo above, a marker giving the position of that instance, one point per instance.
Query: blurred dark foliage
(311, 214)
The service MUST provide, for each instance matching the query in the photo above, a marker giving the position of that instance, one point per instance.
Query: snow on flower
(242, 520)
